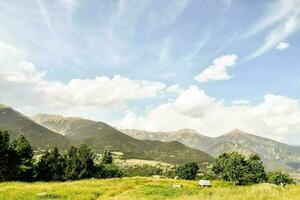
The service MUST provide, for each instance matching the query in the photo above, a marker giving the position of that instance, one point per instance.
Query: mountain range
(62, 132)
(46, 131)
(274, 154)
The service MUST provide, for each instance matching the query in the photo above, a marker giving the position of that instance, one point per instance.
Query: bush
(108, 171)
(187, 171)
(279, 178)
(142, 170)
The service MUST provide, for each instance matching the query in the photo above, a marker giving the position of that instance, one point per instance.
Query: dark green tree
(79, 163)
(279, 178)
(187, 171)
(107, 157)
(24, 154)
(108, 171)
(219, 166)
(51, 166)
(256, 170)
(236, 168)
(5, 152)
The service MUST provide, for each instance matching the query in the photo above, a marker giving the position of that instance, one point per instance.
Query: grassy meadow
(143, 188)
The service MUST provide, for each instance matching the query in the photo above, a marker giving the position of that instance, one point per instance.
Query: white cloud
(276, 117)
(17, 76)
(283, 17)
(218, 69)
(174, 89)
(282, 46)
(240, 102)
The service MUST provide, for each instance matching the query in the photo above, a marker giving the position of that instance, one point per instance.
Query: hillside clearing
(142, 188)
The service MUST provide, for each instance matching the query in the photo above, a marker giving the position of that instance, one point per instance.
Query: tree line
(18, 163)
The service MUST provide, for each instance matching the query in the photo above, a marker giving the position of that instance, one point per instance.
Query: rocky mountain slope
(188, 137)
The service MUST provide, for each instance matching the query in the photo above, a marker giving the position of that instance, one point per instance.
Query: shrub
(108, 171)
(279, 178)
(142, 170)
(187, 171)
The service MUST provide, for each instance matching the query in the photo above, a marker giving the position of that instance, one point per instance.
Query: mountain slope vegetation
(100, 135)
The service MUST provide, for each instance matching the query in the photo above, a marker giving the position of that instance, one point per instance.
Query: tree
(5, 152)
(187, 171)
(80, 163)
(24, 154)
(279, 178)
(219, 166)
(107, 157)
(256, 169)
(51, 166)
(236, 168)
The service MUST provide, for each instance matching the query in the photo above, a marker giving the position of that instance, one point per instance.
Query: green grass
(143, 188)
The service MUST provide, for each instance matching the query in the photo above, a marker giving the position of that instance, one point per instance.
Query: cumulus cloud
(218, 69)
(276, 117)
(18, 76)
(240, 102)
(282, 46)
(283, 17)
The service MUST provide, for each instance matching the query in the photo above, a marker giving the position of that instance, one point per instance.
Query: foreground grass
(143, 188)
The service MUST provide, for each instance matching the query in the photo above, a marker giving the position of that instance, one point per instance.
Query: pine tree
(4, 155)
(107, 157)
(51, 166)
(80, 163)
(24, 154)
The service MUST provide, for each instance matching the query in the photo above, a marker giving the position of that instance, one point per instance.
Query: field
(143, 188)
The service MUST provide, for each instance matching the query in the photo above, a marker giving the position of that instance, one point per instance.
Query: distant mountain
(274, 154)
(287, 156)
(99, 135)
(188, 137)
(40, 137)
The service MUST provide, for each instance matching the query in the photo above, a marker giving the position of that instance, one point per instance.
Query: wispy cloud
(283, 18)
(199, 46)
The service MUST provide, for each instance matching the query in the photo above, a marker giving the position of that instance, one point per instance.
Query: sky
(160, 65)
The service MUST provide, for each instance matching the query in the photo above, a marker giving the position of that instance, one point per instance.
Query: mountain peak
(188, 130)
(3, 106)
(236, 132)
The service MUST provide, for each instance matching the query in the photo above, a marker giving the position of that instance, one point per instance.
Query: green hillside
(39, 136)
(99, 135)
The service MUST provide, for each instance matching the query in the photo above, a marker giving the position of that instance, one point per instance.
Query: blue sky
(121, 61)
